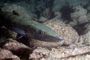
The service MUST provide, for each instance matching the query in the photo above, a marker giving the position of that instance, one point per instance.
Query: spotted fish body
(37, 30)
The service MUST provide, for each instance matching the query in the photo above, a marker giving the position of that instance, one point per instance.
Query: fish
(35, 29)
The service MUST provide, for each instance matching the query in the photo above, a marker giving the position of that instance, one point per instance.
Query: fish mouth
(56, 39)
(51, 38)
(47, 38)
(62, 40)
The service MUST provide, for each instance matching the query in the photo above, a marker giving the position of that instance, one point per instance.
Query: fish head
(48, 36)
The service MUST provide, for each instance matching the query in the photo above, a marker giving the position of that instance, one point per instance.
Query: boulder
(66, 31)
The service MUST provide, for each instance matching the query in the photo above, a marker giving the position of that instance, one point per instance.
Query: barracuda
(37, 30)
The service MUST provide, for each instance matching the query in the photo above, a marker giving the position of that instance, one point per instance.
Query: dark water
(39, 7)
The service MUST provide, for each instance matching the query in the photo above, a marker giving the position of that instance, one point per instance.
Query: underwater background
(45, 29)
(42, 10)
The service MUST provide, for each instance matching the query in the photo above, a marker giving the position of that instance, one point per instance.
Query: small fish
(37, 30)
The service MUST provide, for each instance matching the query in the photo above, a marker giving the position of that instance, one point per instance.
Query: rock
(73, 23)
(57, 15)
(42, 19)
(66, 31)
(39, 52)
(14, 45)
(88, 16)
(17, 8)
(60, 3)
(62, 53)
(75, 3)
(85, 38)
(80, 15)
(18, 49)
(6, 54)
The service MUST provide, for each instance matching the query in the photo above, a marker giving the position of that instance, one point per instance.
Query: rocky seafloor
(70, 19)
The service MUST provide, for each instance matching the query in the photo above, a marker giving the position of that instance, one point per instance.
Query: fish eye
(40, 32)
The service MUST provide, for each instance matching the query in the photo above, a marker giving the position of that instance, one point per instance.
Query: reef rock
(14, 45)
(85, 38)
(6, 54)
(75, 3)
(59, 3)
(80, 15)
(88, 15)
(66, 31)
(62, 53)
(17, 8)
(42, 19)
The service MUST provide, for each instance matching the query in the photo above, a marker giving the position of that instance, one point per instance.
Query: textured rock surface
(66, 31)
(80, 15)
(14, 45)
(63, 53)
(85, 38)
(75, 3)
(19, 49)
(17, 8)
(6, 54)
(60, 3)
